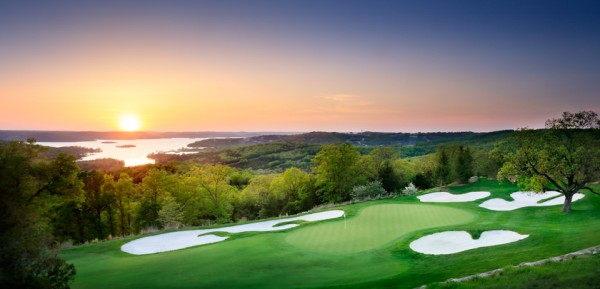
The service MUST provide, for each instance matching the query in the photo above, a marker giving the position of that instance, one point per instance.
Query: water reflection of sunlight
(138, 161)
(132, 152)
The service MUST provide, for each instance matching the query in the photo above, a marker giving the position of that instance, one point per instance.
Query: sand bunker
(451, 242)
(184, 239)
(444, 197)
(527, 199)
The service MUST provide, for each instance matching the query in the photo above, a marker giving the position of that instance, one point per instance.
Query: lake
(132, 152)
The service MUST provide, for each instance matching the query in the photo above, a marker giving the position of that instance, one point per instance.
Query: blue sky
(298, 65)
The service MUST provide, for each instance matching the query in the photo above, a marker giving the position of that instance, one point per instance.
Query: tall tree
(155, 186)
(293, 185)
(257, 199)
(124, 195)
(463, 164)
(384, 157)
(335, 166)
(214, 183)
(27, 257)
(170, 214)
(563, 157)
(108, 190)
(95, 199)
(442, 169)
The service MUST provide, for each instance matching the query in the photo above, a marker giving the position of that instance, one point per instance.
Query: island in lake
(125, 146)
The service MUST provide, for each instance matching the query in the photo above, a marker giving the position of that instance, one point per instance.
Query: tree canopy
(27, 256)
(336, 171)
(563, 157)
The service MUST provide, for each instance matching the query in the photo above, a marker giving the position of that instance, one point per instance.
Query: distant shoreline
(80, 136)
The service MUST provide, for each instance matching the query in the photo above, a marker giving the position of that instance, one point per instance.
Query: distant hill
(357, 139)
(69, 136)
(279, 152)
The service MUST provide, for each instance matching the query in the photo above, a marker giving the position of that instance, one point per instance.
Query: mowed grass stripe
(375, 226)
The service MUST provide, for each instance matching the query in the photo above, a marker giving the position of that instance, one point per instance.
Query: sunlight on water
(135, 151)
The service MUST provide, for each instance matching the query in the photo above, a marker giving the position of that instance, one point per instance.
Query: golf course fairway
(367, 249)
(374, 227)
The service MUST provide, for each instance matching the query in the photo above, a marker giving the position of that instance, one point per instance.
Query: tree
(257, 199)
(563, 157)
(196, 208)
(170, 214)
(336, 171)
(384, 158)
(27, 183)
(463, 164)
(108, 191)
(214, 183)
(124, 195)
(404, 171)
(442, 170)
(388, 177)
(293, 186)
(488, 162)
(155, 186)
(96, 200)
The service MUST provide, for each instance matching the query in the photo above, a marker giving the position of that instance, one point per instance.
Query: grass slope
(270, 260)
(581, 273)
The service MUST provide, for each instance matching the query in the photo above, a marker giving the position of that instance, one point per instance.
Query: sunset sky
(297, 65)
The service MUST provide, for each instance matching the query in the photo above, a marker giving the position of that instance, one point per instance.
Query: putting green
(374, 227)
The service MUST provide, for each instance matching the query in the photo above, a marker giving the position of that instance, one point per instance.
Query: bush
(372, 190)
(411, 189)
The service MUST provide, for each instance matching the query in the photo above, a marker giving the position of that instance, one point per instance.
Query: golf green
(375, 226)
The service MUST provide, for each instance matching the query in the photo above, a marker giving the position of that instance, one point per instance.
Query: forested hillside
(275, 153)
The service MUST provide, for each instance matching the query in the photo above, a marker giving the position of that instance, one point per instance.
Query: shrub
(370, 190)
(411, 189)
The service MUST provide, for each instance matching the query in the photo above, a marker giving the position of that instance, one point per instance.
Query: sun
(129, 122)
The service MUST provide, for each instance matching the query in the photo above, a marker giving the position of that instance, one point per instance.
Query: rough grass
(269, 260)
(582, 272)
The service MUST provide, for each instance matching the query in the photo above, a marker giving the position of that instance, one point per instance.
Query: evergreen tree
(463, 164)
(442, 170)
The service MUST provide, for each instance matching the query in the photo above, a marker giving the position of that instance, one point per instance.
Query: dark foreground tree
(563, 157)
(27, 256)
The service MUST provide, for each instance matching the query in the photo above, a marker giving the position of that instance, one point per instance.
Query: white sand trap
(444, 197)
(527, 199)
(184, 239)
(451, 242)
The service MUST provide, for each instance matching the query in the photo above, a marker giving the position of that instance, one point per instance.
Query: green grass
(374, 227)
(280, 260)
(580, 273)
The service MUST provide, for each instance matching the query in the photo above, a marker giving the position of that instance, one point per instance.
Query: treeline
(276, 157)
(274, 154)
(139, 199)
